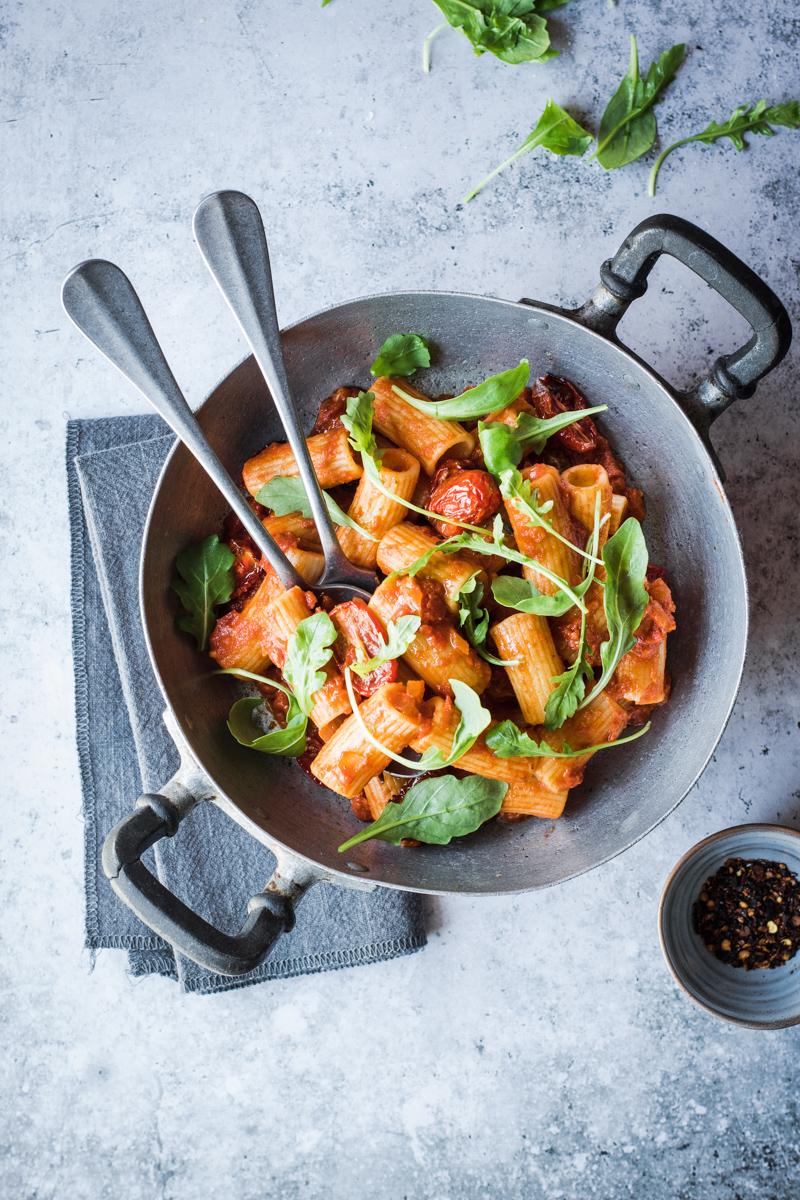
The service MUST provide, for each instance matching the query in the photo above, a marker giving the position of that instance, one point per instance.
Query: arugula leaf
(512, 30)
(524, 596)
(203, 579)
(555, 131)
(285, 494)
(628, 127)
(507, 740)
(505, 445)
(401, 354)
(474, 719)
(399, 636)
(747, 118)
(435, 811)
(288, 742)
(624, 597)
(308, 651)
(494, 393)
(570, 687)
(473, 620)
(357, 420)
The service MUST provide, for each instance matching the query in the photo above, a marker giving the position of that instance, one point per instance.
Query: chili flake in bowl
(733, 902)
(748, 913)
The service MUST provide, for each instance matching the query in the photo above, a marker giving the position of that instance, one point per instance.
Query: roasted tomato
(463, 494)
(551, 395)
(361, 636)
(331, 410)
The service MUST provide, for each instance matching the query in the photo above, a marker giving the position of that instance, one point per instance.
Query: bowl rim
(720, 835)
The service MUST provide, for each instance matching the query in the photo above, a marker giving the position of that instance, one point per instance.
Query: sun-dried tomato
(552, 395)
(361, 636)
(331, 409)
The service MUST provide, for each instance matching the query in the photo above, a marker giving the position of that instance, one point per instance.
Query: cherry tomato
(465, 495)
(361, 636)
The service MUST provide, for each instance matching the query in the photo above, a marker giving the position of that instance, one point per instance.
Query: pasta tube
(601, 721)
(347, 762)
(582, 485)
(527, 637)
(537, 542)
(426, 437)
(331, 457)
(375, 512)
(404, 544)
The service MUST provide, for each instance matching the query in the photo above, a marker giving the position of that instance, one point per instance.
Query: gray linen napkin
(124, 748)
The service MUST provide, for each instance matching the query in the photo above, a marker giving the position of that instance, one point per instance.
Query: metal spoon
(101, 300)
(230, 234)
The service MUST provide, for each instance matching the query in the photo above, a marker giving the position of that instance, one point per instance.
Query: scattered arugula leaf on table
(555, 131)
(203, 579)
(286, 494)
(435, 811)
(402, 354)
(399, 636)
(628, 126)
(512, 30)
(507, 740)
(747, 118)
(625, 597)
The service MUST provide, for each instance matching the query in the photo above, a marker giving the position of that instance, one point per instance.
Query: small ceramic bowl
(760, 999)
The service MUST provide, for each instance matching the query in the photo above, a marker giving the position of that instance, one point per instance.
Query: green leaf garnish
(625, 597)
(308, 650)
(494, 393)
(555, 131)
(504, 446)
(203, 579)
(747, 118)
(286, 494)
(473, 720)
(435, 811)
(507, 740)
(402, 354)
(473, 620)
(512, 30)
(288, 742)
(524, 596)
(399, 636)
(570, 687)
(628, 128)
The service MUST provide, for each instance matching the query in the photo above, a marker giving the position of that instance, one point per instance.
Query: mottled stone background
(537, 1047)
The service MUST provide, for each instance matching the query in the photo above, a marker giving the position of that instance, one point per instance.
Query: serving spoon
(100, 299)
(230, 234)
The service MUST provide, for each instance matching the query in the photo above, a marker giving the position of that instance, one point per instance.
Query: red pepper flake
(748, 913)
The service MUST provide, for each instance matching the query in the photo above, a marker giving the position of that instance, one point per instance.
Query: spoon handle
(101, 301)
(230, 234)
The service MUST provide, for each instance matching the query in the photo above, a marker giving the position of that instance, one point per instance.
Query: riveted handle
(270, 912)
(624, 278)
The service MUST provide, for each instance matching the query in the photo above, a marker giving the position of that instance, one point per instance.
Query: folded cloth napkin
(124, 748)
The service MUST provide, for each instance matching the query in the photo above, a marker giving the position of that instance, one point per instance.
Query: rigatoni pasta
(494, 647)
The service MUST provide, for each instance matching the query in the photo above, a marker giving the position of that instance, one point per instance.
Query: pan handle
(624, 279)
(270, 912)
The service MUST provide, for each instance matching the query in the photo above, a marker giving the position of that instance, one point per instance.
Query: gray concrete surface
(537, 1047)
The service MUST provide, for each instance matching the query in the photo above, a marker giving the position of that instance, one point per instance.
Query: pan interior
(689, 530)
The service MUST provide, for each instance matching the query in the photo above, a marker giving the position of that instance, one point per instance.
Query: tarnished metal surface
(689, 530)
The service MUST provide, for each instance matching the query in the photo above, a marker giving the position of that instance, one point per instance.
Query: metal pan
(662, 436)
